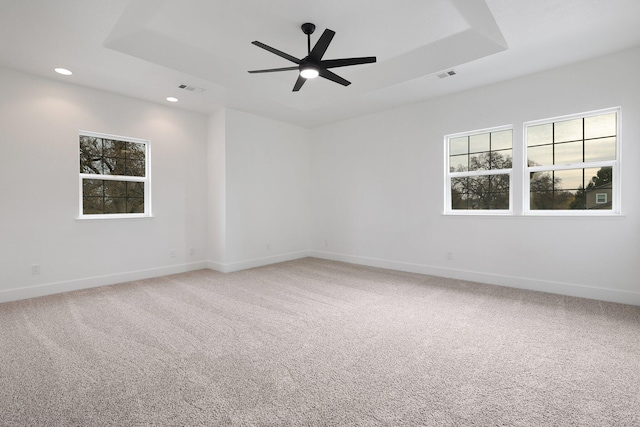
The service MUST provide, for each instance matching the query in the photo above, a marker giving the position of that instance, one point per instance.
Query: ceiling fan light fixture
(309, 72)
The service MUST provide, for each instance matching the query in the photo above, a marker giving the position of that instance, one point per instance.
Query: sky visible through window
(556, 147)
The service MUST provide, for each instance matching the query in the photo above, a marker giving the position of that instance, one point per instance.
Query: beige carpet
(317, 343)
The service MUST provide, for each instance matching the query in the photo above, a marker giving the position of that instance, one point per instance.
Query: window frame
(448, 175)
(146, 179)
(614, 164)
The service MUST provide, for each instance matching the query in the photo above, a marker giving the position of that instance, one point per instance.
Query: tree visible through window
(571, 160)
(570, 165)
(113, 176)
(479, 170)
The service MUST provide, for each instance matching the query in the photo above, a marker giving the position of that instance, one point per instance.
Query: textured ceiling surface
(147, 48)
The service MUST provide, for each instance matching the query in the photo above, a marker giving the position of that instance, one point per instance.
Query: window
(478, 173)
(572, 164)
(114, 176)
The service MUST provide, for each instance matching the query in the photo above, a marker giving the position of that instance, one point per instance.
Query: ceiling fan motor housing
(308, 28)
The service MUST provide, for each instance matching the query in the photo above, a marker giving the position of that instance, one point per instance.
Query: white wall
(39, 123)
(229, 191)
(377, 189)
(243, 190)
(216, 184)
(267, 191)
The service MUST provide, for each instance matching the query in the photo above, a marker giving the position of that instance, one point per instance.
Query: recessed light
(63, 71)
(172, 99)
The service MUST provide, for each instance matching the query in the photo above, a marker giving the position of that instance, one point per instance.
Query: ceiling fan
(313, 65)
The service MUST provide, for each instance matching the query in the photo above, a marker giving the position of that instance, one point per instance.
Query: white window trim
(448, 175)
(146, 179)
(615, 165)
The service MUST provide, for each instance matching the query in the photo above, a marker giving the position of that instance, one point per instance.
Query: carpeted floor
(317, 343)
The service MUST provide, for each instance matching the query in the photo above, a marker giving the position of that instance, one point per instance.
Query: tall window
(479, 171)
(572, 163)
(114, 176)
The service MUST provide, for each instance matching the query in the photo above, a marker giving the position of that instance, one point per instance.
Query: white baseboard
(92, 282)
(256, 262)
(569, 289)
(613, 295)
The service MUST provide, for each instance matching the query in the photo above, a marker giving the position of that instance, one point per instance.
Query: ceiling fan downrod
(308, 28)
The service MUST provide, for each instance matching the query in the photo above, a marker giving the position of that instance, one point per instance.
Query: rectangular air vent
(447, 74)
(192, 88)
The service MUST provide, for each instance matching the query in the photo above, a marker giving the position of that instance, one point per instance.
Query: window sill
(479, 213)
(612, 216)
(112, 218)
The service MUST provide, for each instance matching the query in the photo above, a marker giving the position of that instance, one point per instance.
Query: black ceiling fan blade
(273, 70)
(321, 45)
(277, 52)
(299, 83)
(345, 62)
(333, 77)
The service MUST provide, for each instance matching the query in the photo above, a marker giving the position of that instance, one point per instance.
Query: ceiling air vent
(192, 88)
(446, 74)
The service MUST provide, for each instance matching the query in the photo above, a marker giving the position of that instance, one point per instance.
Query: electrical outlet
(192, 251)
(449, 256)
(268, 246)
(172, 253)
(35, 269)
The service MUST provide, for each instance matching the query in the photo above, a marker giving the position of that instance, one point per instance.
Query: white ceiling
(147, 48)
